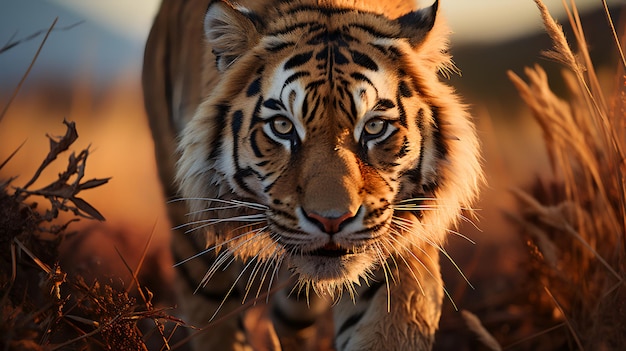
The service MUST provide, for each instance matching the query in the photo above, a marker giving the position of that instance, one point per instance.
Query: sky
(472, 20)
(112, 33)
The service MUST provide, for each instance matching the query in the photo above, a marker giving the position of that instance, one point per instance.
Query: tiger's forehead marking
(328, 65)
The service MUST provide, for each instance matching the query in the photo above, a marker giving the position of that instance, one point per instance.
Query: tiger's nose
(330, 225)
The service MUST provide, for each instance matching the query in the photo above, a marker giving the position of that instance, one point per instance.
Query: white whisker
(408, 225)
(240, 203)
(419, 284)
(440, 248)
(417, 199)
(209, 209)
(230, 290)
(222, 257)
(424, 265)
(216, 246)
(277, 263)
(212, 221)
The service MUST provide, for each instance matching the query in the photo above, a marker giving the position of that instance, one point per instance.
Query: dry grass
(43, 307)
(575, 222)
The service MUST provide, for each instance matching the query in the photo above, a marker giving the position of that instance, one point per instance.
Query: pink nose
(330, 225)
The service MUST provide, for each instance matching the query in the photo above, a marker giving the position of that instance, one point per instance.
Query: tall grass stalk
(578, 223)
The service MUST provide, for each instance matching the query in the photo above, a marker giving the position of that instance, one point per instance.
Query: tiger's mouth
(330, 250)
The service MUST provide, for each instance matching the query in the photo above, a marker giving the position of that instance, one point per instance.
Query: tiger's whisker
(442, 250)
(240, 203)
(279, 260)
(230, 290)
(407, 224)
(208, 222)
(216, 246)
(209, 209)
(222, 257)
(419, 284)
(407, 249)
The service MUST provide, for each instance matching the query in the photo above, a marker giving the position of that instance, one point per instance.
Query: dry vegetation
(575, 223)
(573, 293)
(42, 306)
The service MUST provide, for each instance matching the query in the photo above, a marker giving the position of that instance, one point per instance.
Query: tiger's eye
(282, 126)
(375, 126)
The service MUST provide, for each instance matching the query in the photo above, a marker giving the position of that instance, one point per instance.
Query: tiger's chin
(331, 273)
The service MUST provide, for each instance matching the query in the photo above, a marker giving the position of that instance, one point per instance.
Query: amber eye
(375, 127)
(282, 126)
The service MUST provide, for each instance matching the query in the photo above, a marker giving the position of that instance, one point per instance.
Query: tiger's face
(323, 120)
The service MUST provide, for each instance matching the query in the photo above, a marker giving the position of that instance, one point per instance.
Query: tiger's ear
(230, 31)
(429, 36)
(415, 25)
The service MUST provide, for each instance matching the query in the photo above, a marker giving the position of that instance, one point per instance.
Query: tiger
(315, 158)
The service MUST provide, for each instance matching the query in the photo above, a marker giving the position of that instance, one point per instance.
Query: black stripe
(295, 324)
(342, 108)
(291, 28)
(339, 58)
(236, 122)
(440, 145)
(296, 76)
(372, 30)
(276, 47)
(281, 213)
(268, 175)
(405, 91)
(255, 115)
(372, 290)
(363, 60)
(404, 149)
(395, 53)
(298, 60)
(380, 48)
(384, 105)
(352, 108)
(274, 104)
(360, 77)
(311, 8)
(316, 106)
(254, 87)
(241, 174)
(350, 322)
(220, 117)
(401, 111)
(305, 108)
(343, 346)
(254, 145)
(314, 84)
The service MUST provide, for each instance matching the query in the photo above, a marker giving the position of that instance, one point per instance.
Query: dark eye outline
(366, 136)
(288, 135)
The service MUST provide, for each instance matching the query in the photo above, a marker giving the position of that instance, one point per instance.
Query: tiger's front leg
(405, 321)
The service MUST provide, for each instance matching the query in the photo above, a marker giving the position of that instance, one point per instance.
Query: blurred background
(89, 72)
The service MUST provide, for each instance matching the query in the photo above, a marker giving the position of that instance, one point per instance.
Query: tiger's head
(331, 131)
